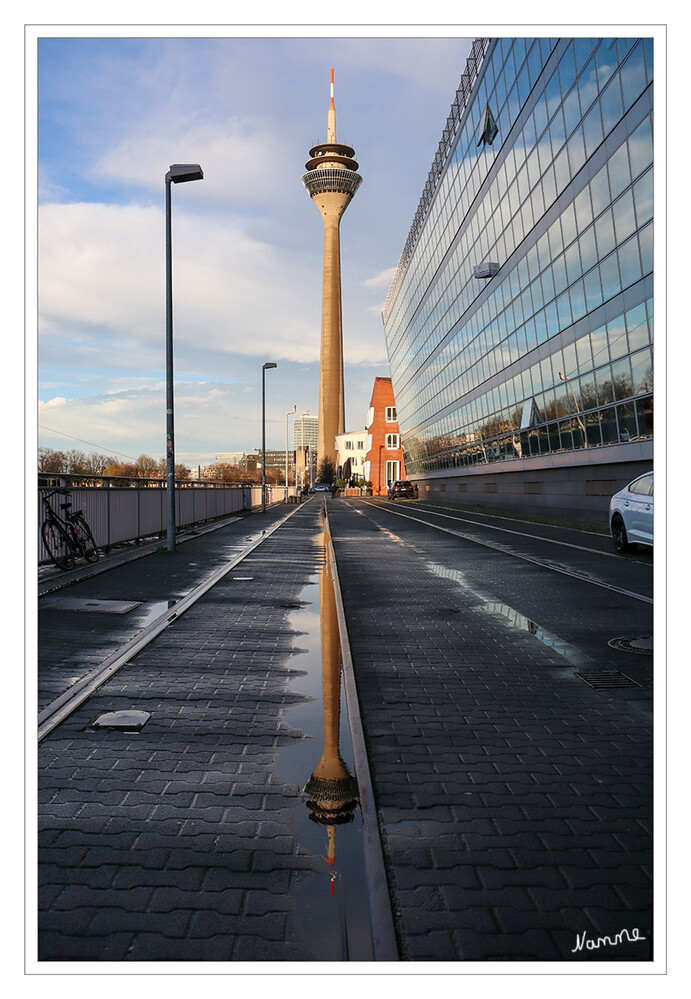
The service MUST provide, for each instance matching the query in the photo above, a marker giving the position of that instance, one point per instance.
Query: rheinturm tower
(331, 181)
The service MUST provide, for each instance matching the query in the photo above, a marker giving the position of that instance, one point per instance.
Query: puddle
(331, 906)
(512, 617)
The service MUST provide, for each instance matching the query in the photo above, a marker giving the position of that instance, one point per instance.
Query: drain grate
(607, 680)
(641, 644)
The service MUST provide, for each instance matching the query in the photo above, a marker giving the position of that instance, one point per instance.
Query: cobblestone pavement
(178, 842)
(515, 801)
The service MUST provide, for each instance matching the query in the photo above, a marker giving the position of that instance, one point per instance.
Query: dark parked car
(401, 488)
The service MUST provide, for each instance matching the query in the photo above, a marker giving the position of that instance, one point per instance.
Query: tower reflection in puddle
(331, 790)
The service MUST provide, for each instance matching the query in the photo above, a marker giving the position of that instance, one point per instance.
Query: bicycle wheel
(58, 545)
(84, 538)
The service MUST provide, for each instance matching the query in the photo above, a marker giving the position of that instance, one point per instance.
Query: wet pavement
(191, 839)
(514, 800)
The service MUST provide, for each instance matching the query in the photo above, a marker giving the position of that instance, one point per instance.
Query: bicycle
(66, 537)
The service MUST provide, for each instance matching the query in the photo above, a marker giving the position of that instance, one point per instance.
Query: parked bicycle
(68, 537)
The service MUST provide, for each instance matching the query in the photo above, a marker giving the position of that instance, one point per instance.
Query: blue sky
(113, 114)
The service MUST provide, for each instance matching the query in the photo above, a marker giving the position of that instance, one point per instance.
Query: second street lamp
(269, 364)
(179, 173)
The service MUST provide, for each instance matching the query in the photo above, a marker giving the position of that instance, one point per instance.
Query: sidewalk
(178, 842)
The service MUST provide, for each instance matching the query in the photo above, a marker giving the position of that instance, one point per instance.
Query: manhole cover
(94, 606)
(607, 680)
(124, 720)
(642, 644)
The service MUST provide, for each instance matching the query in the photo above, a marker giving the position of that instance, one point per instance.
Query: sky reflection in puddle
(512, 617)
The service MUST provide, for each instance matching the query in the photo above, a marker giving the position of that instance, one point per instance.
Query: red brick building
(384, 458)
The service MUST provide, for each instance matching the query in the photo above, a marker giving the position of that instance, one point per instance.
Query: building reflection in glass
(332, 791)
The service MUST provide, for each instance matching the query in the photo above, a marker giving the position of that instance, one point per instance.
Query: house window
(360, 445)
(393, 442)
(349, 445)
(393, 471)
(390, 414)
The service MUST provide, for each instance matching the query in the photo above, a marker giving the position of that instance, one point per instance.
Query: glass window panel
(648, 51)
(644, 414)
(633, 80)
(606, 61)
(609, 276)
(626, 420)
(624, 217)
(600, 345)
(616, 336)
(599, 191)
(588, 248)
(629, 262)
(619, 173)
(569, 364)
(642, 372)
(588, 394)
(587, 85)
(593, 289)
(621, 379)
(578, 304)
(549, 187)
(645, 240)
(604, 233)
(583, 209)
(551, 319)
(611, 105)
(540, 115)
(562, 174)
(572, 111)
(559, 275)
(637, 327)
(643, 198)
(553, 93)
(572, 258)
(564, 310)
(592, 129)
(557, 131)
(603, 381)
(582, 49)
(592, 426)
(568, 224)
(555, 241)
(576, 150)
(608, 426)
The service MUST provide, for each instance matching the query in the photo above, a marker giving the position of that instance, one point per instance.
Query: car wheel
(619, 535)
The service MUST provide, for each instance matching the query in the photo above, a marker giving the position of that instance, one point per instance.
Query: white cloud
(381, 280)
(102, 268)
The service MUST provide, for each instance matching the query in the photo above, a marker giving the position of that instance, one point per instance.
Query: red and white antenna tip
(332, 88)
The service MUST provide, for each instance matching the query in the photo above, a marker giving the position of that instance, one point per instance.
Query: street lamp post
(289, 413)
(269, 364)
(179, 173)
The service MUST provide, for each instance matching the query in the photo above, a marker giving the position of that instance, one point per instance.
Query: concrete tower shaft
(331, 181)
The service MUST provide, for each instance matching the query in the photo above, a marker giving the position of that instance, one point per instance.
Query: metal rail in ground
(59, 709)
(384, 943)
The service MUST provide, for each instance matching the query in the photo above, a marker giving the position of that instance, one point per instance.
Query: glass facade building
(519, 324)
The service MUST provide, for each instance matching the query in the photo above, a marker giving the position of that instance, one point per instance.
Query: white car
(631, 514)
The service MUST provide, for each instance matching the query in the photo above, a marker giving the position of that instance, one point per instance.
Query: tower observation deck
(331, 181)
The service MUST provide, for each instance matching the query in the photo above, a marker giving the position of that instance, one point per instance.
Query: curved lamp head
(181, 172)
(269, 364)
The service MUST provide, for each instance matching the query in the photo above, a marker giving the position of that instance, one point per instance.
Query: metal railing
(120, 510)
